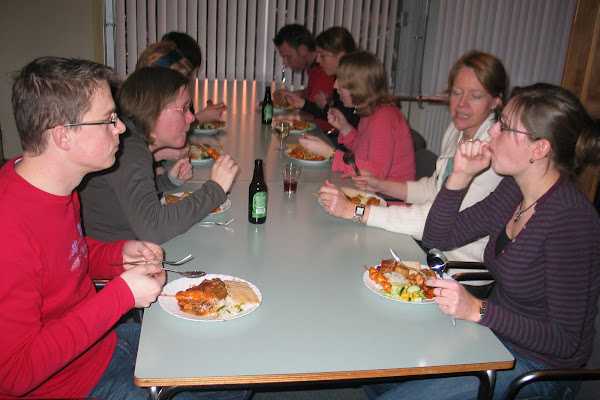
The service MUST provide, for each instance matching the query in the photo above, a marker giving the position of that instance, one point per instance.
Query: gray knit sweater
(547, 278)
(123, 202)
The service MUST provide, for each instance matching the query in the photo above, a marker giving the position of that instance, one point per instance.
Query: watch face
(359, 211)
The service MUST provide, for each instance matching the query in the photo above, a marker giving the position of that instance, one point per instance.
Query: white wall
(35, 28)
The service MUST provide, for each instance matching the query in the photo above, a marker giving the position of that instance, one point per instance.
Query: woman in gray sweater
(544, 247)
(124, 201)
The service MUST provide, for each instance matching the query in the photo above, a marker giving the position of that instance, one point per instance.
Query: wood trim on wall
(581, 74)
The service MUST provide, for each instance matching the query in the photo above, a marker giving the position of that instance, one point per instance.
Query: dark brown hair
(187, 45)
(165, 54)
(144, 95)
(295, 35)
(363, 75)
(336, 40)
(489, 71)
(51, 91)
(555, 114)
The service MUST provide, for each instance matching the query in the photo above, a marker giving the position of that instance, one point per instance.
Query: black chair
(424, 159)
(137, 314)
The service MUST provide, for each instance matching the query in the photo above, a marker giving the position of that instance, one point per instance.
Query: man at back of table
(57, 338)
(296, 46)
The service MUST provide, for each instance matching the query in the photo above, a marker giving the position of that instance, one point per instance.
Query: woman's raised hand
(335, 202)
(224, 172)
(471, 157)
(337, 120)
(316, 145)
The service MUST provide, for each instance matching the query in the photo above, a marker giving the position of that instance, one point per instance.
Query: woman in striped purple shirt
(544, 247)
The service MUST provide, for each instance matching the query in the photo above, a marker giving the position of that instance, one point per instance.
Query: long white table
(317, 321)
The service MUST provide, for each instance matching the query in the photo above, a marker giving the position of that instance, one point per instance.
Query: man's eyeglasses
(113, 120)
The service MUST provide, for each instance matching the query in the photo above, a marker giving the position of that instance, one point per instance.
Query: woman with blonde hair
(477, 84)
(382, 143)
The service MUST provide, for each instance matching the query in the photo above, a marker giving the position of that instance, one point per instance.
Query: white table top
(317, 320)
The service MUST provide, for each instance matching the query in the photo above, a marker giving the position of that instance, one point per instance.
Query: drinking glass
(291, 175)
(283, 129)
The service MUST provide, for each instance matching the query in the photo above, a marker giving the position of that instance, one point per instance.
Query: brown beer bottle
(257, 195)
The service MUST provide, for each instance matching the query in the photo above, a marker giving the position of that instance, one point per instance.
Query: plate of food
(400, 281)
(211, 298)
(281, 105)
(361, 197)
(298, 153)
(202, 154)
(172, 198)
(222, 208)
(209, 128)
(300, 126)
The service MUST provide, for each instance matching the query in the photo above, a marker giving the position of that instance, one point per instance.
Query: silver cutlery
(167, 262)
(394, 255)
(348, 158)
(187, 274)
(216, 223)
(438, 263)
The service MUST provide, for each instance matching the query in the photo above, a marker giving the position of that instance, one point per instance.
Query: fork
(187, 274)
(167, 262)
(348, 158)
(217, 223)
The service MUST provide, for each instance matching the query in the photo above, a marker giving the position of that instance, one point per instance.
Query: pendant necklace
(522, 211)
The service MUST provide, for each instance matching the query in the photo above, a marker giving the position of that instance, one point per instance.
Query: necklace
(522, 211)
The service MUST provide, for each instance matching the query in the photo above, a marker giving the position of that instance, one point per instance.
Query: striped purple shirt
(547, 278)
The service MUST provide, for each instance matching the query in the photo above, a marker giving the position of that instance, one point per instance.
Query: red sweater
(382, 144)
(318, 81)
(56, 331)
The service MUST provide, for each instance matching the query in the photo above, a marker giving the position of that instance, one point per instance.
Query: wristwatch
(359, 211)
(482, 309)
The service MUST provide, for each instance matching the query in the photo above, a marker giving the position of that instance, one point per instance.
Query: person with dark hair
(58, 335)
(477, 85)
(544, 247)
(187, 46)
(296, 46)
(124, 202)
(382, 143)
(331, 45)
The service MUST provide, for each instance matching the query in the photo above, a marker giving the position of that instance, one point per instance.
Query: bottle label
(268, 112)
(259, 205)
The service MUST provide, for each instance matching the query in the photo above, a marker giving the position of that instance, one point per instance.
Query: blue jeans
(466, 387)
(117, 381)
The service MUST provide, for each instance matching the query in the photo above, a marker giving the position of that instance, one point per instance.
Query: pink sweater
(57, 336)
(382, 145)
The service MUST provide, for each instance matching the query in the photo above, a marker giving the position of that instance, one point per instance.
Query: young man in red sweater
(57, 336)
(296, 46)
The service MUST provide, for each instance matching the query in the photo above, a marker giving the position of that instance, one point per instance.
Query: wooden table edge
(320, 376)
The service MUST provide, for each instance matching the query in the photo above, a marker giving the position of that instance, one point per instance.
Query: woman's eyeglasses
(113, 120)
(505, 128)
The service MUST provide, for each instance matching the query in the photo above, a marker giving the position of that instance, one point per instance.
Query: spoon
(438, 263)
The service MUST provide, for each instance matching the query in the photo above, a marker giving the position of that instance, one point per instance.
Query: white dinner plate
(310, 163)
(222, 208)
(352, 192)
(168, 302)
(311, 126)
(210, 131)
(375, 288)
(201, 161)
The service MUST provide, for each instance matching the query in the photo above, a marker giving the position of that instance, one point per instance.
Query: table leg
(487, 380)
(164, 392)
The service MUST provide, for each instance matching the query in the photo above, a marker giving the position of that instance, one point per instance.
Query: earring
(531, 161)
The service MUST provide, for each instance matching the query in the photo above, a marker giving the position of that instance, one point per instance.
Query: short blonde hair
(363, 75)
(165, 54)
